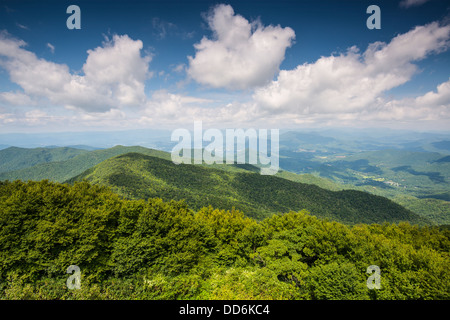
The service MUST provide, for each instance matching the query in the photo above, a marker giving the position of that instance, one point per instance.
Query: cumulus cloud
(353, 81)
(440, 98)
(343, 89)
(114, 75)
(241, 55)
(434, 105)
(15, 99)
(119, 66)
(174, 109)
(166, 105)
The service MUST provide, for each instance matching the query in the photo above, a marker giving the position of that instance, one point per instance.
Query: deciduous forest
(155, 249)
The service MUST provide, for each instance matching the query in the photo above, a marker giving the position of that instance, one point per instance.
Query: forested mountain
(136, 249)
(64, 163)
(138, 176)
(14, 158)
(61, 170)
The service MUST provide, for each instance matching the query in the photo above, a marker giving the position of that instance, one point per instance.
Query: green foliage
(421, 175)
(437, 210)
(137, 249)
(409, 178)
(14, 158)
(137, 176)
(62, 168)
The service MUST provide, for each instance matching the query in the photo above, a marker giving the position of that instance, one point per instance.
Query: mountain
(443, 145)
(78, 146)
(139, 176)
(99, 139)
(444, 159)
(420, 174)
(14, 158)
(340, 172)
(60, 171)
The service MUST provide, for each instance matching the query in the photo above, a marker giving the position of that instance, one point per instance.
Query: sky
(231, 64)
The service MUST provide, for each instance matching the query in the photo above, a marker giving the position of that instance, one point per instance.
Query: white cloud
(351, 82)
(118, 66)
(412, 3)
(440, 98)
(179, 68)
(166, 105)
(15, 99)
(113, 114)
(241, 55)
(434, 105)
(51, 47)
(114, 75)
(36, 116)
(344, 89)
(21, 26)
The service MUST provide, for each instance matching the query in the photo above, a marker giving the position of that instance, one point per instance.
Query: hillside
(435, 210)
(14, 158)
(71, 161)
(138, 176)
(62, 170)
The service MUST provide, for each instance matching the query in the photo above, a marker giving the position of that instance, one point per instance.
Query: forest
(138, 176)
(155, 249)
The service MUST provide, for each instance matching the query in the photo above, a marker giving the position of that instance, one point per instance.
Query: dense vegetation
(423, 174)
(137, 176)
(136, 249)
(437, 211)
(420, 174)
(62, 169)
(14, 158)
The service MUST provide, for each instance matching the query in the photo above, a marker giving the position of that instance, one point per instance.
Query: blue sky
(277, 64)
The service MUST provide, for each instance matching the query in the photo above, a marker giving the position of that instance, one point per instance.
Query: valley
(406, 169)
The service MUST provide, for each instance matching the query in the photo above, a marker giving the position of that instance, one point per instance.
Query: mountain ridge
(139, 176)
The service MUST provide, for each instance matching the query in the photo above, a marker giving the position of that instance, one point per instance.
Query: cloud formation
(352, 81)
(242, 54)
(109, 91)
(114, 75)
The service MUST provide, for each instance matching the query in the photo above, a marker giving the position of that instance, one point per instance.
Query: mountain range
(141, 173)
(411, 169)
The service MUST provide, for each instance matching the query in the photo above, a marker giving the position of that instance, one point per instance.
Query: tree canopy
(154, 249)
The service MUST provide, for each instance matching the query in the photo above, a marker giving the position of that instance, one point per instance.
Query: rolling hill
(14, 158)
(68, 162)
(139, 176)
(60, 171)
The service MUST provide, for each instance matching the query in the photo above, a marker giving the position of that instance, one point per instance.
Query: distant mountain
(444, 145)
(296, 139)
(397, 171)
(78, 146)
(14, 158)
(60, 171)
(102, 139)
(139, 176)
(444, 159)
